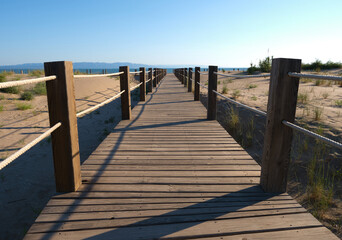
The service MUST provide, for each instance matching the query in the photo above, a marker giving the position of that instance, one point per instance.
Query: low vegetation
(27, 95)
(225, 89)
(23, 106)
(37, 73)
(39, 89)
(318, 65)
(264, 66)
(1, 108)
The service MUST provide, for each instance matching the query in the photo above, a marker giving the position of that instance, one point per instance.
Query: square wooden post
(185, 77)
(154, 78)
(281, 106)
(126, 96)
(212, 85)
(189, 81)
(62, 108)
(197, 80)
(143, 85)
(150, 83)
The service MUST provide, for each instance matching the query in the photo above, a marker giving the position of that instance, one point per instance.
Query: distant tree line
(266, 64)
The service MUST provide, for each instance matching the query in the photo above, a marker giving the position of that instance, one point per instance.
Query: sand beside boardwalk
(28, 183)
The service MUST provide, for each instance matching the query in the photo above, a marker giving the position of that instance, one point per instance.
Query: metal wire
(98, 75)
(27, 81)
(240, 104)
(21, 151)
(242, 76)
(325, 77)
(312, 134)
(202, 85)
(202, 73)
(99, 105)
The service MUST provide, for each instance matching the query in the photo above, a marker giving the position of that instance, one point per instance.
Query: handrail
(98, 75)
(26, 81)
(315, 76)
(136, 86)
(91, 109)
(242, 76)
(24, 149)
(202, 85)
(241, 104)
(312, 134)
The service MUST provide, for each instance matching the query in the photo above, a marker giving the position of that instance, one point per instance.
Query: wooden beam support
(143, 85)
(197, 87)
(281, 106)
(150, 83)
(189, 81)
(126, 96)
(212, 85)
(62, 108)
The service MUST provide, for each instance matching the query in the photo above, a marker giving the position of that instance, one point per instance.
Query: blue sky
(219, 32)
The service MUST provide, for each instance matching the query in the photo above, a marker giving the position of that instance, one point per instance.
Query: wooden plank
(62, 108)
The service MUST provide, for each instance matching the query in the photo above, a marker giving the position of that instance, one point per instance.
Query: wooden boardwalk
(171, 174)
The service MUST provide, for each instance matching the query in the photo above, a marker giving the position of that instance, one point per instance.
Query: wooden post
(126, 96)
(154, 78)
(143, 85)
(62, 108)
(185, 77)
(197, 80)
(281, 105)
(150, 83)
(189, 81)
(212, 79)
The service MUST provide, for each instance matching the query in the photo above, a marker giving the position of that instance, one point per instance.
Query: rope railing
(315, 76)
(91, 109)
(241, 104)
(312, 134)
(202, 85)
(242, 76)
(202, 73)
(27, 81)
(98, 75)
(136, 86)
(148, 80)
(24, 149)
(135, 72)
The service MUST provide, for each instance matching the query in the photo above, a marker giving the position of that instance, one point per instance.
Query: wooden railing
(63, 118)
(280, 116)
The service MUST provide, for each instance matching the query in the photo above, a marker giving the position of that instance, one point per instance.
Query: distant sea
(113, 70)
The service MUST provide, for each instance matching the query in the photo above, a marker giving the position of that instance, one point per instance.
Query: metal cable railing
(243, 76)
(24, 149)
(241, 104)
(314, 76)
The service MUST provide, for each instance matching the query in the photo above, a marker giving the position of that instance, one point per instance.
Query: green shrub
(252, 69)
(236, 94)
(40, 88)
(2, 97)
(23, 106)
(14, 90)
(1, 108)
(37, 73)
(318, 65)
(303, 98)
(27, 96)
(225, 89)
(252, 86)
(265, 65)
(338, 103)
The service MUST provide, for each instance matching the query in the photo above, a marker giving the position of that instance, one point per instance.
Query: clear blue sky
(220, 32)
